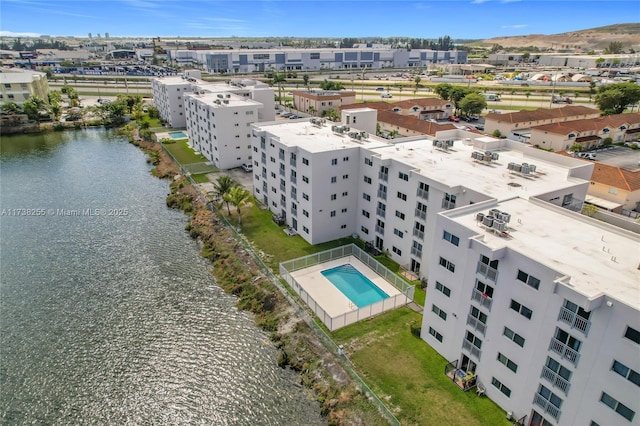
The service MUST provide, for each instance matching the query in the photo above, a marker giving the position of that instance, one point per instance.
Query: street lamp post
(362, 90)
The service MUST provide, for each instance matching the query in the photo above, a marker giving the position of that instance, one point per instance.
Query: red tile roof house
(315, 101)
(515, 121)
(616, 185)
(403, 117)
(589, 133)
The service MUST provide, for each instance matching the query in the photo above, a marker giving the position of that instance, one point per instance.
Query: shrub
(415, 328)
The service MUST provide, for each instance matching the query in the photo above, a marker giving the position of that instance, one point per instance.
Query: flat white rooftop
(223, 96)
(314, 138)
(456, 167)
(597, 258)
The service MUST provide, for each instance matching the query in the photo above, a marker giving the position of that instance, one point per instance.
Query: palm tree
(417, 80)
(305, 78)
(222, 187)
(279, 78)
(312, 110)
(238, 196)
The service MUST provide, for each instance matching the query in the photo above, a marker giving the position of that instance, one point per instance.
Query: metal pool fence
(335, 322)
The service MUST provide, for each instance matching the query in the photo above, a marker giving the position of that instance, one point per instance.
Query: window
(305, 179)
(529, 280)
(366, 196)
(305, 229)
(346, 158)
(400, 214)
(616, 406)
(443, 289)
(397, 251)
(632, 334)
(367, 179)
(344, 194)
(439, 312)
(507, 362)
(305, 213)
(403, 176)
(398, 232)
(521, 309)
(402, 196)
(554, 399)
(446, 264)
(435, 334)
(365, 214)
(451, 238)
(334, 161)
(364, 229)
(333, 213)
(333, 197)
(511, 335)
(305, 161)
(334, 179)
(344, 210)
(475, 341)
(345, 176)
(478, 314)
(626, 372)
(502, 388)
(305, 196)
(557, 368)
(368, 162)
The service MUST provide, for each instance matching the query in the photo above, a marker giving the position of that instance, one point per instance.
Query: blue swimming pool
(358, 288)
(178, 135)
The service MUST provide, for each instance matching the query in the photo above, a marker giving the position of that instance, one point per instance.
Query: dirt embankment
(236, 271)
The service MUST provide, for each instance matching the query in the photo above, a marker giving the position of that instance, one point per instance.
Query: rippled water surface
(116, 319)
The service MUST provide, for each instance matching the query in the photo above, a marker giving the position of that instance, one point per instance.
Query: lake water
(108, 315)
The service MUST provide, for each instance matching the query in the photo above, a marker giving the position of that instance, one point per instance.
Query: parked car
(293, 117)
(386, 95)
(480, 126)
(454, 118)
(247, 167)
(380, 89)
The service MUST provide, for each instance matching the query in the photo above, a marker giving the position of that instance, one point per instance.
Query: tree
(331, 114)
(153, 112)
(238, 196)
(473, 103)
(312, 110)
(305, 79)
(221, 187)
(614, 47)
(444, 90)
(417, 81)
(11, 108)
(34, 107)
(576, 147)
(331, 85)
(614, 98)
(278, 79)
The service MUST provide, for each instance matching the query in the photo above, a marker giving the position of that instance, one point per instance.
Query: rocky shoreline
(235, 270)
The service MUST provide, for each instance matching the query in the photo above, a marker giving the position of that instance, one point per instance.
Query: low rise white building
(538, 306)
(329, 182)
(218, 126)
(18, 85)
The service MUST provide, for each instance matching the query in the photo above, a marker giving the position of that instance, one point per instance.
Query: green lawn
(412, 381)
(183, 154)
(200, 178)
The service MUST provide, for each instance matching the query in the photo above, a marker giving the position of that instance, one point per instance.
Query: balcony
(264, 175)
(421, 214)
(555, 379)
(416, 252)
(564, 351)
(380, 212)
(292, 162)
(546, 406)
(282, 172)
(487, 271)
(283, 203)
(423, 194)
(574, 320)
(293, 180)
(382, 194)
(463, 379)
(383, 176)
(472, 349)
(294, 195)
(448, 205)
(482, 299)
(476, 324)
(379, 229)
(283, 188)
(418, 233)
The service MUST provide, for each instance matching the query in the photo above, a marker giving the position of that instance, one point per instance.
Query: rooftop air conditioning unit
(450, 142)
(226, 101)
(505, 217)
(486, 158)
(220, 95)
(494, 212)
(364, 135)
(517, 167)
(487, 221)
(532, 167)
(228, 95)
(499, 225)
(479, 217)
(495, 156)
(436, 142)
(511, 166)
(525, 169)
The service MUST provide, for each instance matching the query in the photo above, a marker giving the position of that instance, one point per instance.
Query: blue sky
(301, 18)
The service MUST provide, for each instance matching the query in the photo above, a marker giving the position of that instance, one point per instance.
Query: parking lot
(618, 156)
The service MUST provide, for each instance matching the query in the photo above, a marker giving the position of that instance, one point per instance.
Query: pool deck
(327, 295)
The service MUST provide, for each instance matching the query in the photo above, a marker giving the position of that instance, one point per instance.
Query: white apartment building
(219, 126)
(246, 61)
(330, 182)
(169, 92)
(18, 85)
(538, 306)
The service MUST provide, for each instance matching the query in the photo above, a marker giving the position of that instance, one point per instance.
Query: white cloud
(515, 26)
(17, 34)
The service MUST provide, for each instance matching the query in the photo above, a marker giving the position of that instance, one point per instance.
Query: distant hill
(594, 38)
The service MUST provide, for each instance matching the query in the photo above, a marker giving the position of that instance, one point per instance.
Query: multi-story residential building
(315, 101)
(522, 120)
(169, 92)
(329, 182)
(589, 133)
(246, 61)
(18, 85)
(537, 306)
(218, 126)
